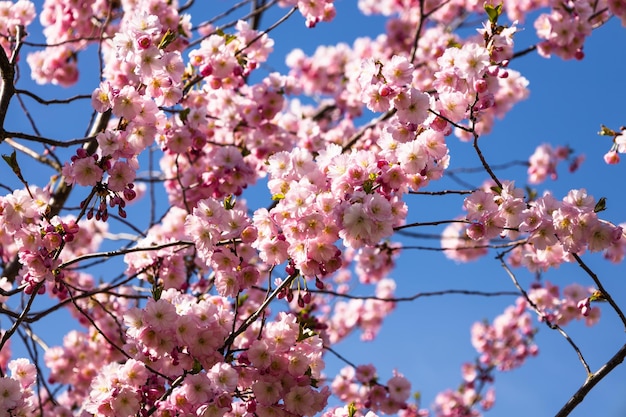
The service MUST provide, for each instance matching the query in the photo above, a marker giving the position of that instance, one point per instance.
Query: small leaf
(278, 197)
(197, 367)
(12, 161)
(229, 202)
(156, 292)
(605, 131)
(497, 190)
(600, 205)
(167, 38)
(493, 12)
(597, 296)
(351, 409)
(184, 114)
(532, 193)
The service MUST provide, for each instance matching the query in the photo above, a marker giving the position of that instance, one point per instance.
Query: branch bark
(591, 382)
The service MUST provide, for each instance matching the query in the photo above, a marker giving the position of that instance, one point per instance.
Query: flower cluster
(314, 11)
(351, 196)
(553, 228)
(507, 342)
(14, 15)
(225, 60)
(211, 226)
(362, 387)
(543, 162)
(366, 314)
(566, 27)
(17, 396)
(69, 26)
(197, 336)
(574, 305)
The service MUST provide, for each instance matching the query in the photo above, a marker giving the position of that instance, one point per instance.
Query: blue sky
(429, 339)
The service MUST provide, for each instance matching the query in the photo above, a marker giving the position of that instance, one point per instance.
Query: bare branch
(591, 382)
(544, 318)
(601, 288)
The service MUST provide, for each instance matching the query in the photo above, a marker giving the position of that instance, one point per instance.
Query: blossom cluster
(561, 310)
(552, 229)
(543, 162)
(37, 241)
(568, 24)
(508, 341)
(361, 387)
(14, 15)
(17, 396)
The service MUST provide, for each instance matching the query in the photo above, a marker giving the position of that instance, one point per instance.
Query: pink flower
(412, 156)
(120, 175)
(412, 106)
(399, 388)
(23, 371)
(160, 315)
(398, 71)
(10, 393)
(300, 401)
(127, 103)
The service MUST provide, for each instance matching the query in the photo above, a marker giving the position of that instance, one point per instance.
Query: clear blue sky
(429, 339)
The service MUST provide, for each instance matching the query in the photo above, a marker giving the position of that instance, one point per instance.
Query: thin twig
(591, 382)
(601, 288)
(540, 313)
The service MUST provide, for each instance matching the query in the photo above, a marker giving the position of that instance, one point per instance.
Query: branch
(545, 319)
(53, 101)
(417, 295)
(591, 382)
(268, 30)
(354, 138)
(7, 73)
(254, 316)
(604, 292)
(35, 155)
(120, 252)
(435, 223)
(48, 141)
(442, 192)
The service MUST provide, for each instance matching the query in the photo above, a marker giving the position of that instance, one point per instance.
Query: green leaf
(605, 131)
(278, 197)
(167, 38)
(12, 161)
(184, 114)
(157, 290)
(493, 12)
(600, 205)
(351, 409)
(229, 202)
(197, 367)
(597, 296)
(497, 190)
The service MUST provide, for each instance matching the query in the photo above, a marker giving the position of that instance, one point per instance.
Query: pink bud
(579, 55)
(384, 90)
(144, 42)
(480, 85)
(611, 158)
(215, 83)
(475, 231)
(439, 124)
(206, 70)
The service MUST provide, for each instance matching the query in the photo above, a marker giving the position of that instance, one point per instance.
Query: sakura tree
(233, 215)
